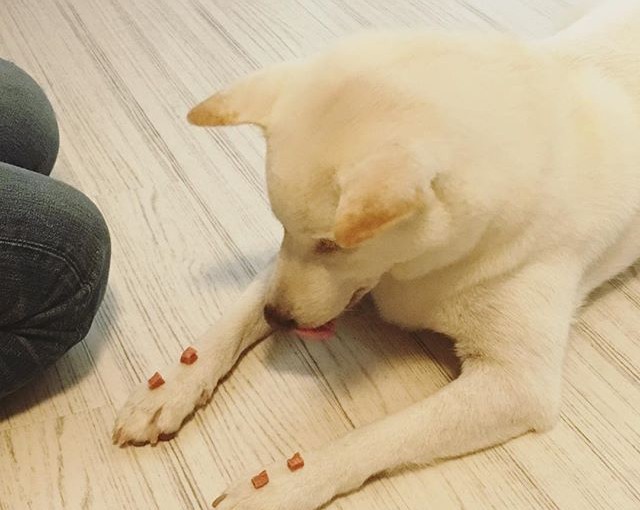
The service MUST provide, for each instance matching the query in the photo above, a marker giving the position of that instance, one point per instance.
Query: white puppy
(478, 186)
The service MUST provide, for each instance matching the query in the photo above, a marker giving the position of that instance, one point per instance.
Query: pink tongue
(324, 332)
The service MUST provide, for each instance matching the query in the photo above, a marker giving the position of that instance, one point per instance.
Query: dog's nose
(278, 319)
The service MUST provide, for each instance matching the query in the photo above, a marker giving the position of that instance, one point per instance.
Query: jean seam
(41, 248)
(52, 252)
(83, 287)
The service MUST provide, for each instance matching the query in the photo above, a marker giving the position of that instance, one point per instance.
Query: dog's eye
(326, 246)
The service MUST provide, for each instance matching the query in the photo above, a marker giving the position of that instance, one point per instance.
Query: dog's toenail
(155, 415)
(218, 500)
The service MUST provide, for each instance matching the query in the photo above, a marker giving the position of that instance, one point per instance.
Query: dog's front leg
(485, 406)
(150, 414)
(510, 384)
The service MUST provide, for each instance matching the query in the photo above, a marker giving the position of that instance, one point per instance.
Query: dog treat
(296, 462)
(260, 480)
(189, 356)
(156, 381)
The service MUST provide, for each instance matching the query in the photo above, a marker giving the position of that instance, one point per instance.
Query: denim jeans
(54, 243)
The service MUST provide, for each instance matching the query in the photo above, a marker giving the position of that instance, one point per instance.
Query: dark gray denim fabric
(54, 243)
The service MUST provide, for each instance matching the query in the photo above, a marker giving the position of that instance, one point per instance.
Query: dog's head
(348, 177)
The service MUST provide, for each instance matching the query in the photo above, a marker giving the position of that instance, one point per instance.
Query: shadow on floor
(69, 370)
(364, 345)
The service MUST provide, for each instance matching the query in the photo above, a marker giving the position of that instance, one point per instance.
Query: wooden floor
(191, 225)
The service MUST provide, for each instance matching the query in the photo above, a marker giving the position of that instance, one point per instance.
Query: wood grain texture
(191, 225)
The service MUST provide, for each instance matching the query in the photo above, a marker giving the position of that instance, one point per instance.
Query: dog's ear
(248, 101)
(379, 192)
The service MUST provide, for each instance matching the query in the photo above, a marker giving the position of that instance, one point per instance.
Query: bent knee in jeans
(54, 265)
(28, 128)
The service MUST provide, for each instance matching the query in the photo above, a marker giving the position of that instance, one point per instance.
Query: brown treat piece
(189, 356)
(260, 480)
(156, 381)
(296, 462)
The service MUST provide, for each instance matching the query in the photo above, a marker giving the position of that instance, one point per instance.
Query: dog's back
(608, 37)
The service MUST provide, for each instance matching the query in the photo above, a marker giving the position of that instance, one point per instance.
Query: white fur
(480, 186)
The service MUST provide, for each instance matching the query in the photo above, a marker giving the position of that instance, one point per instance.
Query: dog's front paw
(307, 488)
(150, 414)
